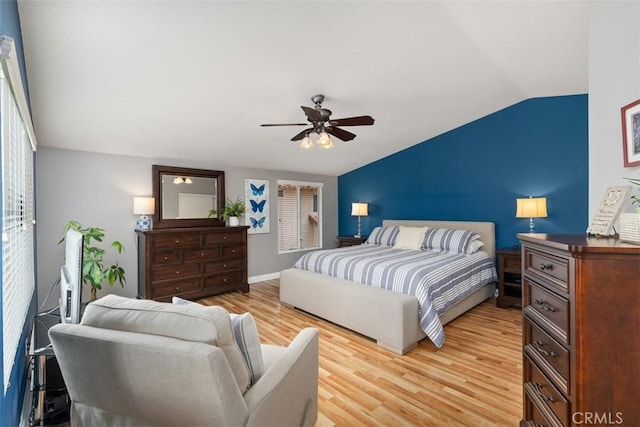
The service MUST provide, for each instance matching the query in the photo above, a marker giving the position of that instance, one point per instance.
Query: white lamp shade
(532, 207)
(144, 205)
(324, 140)
(359, 209)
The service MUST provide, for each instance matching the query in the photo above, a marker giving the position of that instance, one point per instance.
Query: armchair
(144, 363)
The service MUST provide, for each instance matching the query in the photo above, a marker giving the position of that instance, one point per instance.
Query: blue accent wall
(538, 147)
(11, 401)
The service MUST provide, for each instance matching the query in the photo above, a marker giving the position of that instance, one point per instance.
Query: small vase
(234, 221)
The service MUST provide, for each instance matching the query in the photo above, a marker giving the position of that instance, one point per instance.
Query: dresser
(191, 262)
(581, 339)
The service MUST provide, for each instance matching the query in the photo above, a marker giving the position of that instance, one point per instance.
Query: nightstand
(350, 241)
(509, 278)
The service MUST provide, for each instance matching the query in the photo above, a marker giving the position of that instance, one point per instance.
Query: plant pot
(234, 221)
(630, 227)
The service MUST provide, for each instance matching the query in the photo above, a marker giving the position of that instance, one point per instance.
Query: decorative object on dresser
(191, 262)
(144, 206)
(359, 209)
(631, 133)
(581, 313)
(179, 204)
(350, 241)
(630, 222)
(531, 207)
(610, 207)
(509, 278)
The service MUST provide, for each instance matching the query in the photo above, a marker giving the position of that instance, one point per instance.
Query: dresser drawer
(174, 272)
(554, 269)
(175, 288)
(165, 257)
(213, 239)
(176, 241)
(203, 254)
(233, 252)
(222, 279)
(220, 266)
(550, 356)
(549, 310)
(535, 417)
(544, 394)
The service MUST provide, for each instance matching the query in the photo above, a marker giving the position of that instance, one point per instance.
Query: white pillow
(246, 333)
(410, 238)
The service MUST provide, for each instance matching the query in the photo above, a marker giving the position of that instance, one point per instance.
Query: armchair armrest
(287, 393)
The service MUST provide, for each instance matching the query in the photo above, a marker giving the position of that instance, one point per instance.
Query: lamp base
(532, 226)
(143, 223)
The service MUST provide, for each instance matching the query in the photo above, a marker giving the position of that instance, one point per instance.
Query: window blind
(18, 145)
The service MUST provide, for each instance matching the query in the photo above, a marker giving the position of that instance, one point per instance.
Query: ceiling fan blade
(301, 135)
(284, 124)
(353, 121)
(313, 114)
(340, 133)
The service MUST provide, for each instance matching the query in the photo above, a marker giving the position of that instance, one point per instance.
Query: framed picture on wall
(631, 134)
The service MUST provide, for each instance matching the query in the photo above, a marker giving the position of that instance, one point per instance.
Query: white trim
(263, 277)
(12, 69)
(300, 183)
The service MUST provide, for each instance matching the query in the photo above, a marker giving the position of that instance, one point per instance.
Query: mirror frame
(157, 173)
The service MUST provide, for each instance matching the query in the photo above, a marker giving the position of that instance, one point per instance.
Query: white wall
(614, 81)
(98, 189)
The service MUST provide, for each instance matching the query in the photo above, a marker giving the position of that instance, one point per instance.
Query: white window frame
(299, 184)
(18, 206)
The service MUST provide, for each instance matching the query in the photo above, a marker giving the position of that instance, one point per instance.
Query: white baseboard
(263, 277)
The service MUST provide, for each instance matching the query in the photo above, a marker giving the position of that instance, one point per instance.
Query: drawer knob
(177, 242)
(538, 388)
(224, 265)
(166, 258)
(544, 266)
(177, 271)
(545, 306)
(201, 253)
(538, 345)
(177, 288)
(224, 279)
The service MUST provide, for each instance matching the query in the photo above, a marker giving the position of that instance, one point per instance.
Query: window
(18, 145)
(299, 215)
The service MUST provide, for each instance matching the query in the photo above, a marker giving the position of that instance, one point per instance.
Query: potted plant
(630, 222)
(233, 210)
(94, 269)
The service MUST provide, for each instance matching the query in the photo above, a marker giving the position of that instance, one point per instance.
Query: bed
(395, 320)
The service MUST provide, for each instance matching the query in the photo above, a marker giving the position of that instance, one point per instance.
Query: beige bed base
(388, 317)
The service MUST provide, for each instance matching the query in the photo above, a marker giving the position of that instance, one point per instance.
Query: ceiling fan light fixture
(324, 141)
(306, 142)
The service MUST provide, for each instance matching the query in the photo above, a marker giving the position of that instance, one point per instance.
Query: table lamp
(359, 209)
(144, 206)
(532, 207)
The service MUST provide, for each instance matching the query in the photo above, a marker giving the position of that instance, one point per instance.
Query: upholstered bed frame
(388, 317)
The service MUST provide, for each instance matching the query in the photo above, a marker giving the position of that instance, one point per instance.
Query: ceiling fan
(322, 125)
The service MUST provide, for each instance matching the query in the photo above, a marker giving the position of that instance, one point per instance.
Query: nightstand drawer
(549, 310)
(554, 269)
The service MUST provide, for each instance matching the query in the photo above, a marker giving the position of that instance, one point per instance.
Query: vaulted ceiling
(194, 80)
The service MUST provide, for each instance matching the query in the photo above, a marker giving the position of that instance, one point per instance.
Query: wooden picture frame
(631, 134)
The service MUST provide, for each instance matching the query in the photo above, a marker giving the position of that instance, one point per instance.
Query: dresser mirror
(187, 197)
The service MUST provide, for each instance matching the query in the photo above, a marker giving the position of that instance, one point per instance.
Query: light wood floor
(473, 380)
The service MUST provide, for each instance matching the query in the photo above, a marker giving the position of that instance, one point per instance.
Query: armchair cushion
(196, 323)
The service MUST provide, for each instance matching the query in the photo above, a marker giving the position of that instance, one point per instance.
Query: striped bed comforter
(438, 279)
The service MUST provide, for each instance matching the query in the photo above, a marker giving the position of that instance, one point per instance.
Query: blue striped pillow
(383, 236)
(450, 240)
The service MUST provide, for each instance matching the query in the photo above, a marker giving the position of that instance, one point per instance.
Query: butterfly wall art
(256, 194)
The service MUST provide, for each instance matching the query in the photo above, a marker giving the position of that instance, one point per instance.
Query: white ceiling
(194, 80)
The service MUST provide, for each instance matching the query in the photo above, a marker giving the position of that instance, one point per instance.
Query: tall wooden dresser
(191, 262)
(581, 323)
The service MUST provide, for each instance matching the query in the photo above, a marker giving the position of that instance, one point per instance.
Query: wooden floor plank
(473, 380)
